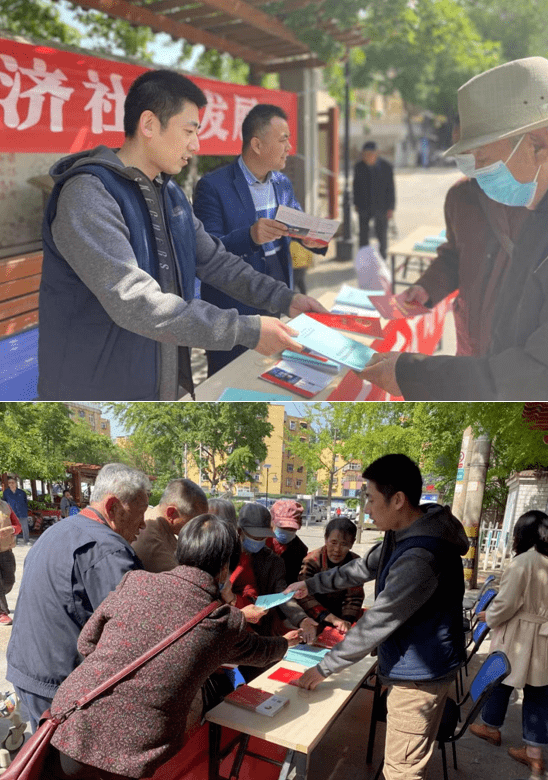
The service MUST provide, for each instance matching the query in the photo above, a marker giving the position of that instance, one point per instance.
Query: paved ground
(341, 754)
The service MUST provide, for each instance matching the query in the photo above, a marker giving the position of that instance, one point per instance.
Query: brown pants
(414, 715)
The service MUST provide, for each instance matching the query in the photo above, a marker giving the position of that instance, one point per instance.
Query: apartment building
(91, 414)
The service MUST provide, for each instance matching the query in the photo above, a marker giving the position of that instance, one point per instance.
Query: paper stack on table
(300, 378)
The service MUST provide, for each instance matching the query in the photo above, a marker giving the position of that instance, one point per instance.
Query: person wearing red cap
(286, 519)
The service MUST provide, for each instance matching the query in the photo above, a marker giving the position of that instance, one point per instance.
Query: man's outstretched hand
(303, 303)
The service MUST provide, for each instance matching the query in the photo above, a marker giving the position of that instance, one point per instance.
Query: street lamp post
(345, 245)
(274, 480)
(267, 466)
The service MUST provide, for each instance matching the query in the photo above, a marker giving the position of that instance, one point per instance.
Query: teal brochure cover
(234, 394)
(353, 296)
(331, 343)
(273, 600)
(305, 655)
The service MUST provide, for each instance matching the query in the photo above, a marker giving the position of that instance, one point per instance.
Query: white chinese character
(214, 116)
(45, 84)
(242, 107)
(101, 102)
(9, 103)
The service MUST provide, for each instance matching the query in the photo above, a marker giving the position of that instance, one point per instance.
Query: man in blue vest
(122, 250)
(416, 620)
(238, 203)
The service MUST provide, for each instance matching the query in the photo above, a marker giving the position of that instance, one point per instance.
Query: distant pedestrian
(374, 194)
(9, 527)
(17, 499)
(67, 502)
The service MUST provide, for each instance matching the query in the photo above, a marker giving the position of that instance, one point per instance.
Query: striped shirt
(266, 204)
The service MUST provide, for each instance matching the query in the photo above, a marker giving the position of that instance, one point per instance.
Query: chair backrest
(485, 599)
(480, 632)
(492, 672)
(488, 581)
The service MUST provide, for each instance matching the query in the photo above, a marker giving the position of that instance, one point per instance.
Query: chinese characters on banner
(57, 101)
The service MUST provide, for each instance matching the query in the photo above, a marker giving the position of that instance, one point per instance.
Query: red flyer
(285, 675)
(368, 326)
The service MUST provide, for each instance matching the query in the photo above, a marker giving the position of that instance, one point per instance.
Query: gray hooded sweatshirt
(92, 236)
(411, 582)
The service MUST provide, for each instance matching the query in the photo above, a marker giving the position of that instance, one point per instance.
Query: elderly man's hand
(307, 629)
(299, 590)
(303, 303)
(341, 625)
(310, 679)
(293, 637)
(381, 371)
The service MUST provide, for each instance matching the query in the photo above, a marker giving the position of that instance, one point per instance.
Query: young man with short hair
(238, 203)
(122, 250)
(416, 620)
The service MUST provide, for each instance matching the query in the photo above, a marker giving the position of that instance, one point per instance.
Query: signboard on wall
(58, 101)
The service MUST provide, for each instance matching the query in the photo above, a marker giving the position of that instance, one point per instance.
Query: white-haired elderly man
(68, 572)
(504, 145)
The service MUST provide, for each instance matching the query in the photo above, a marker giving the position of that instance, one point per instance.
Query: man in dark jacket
(374, 194)
(238, 202)
(67, 574)
(416, 620)
(504, 146)
(122, 250)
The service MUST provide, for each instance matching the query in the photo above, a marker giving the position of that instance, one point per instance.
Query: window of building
(288, 482)
(103, 426)
(304, 425)
(300, 469)
(81, 413)
(303, 438)
(299, 482)
(292, 425)
(289, 467)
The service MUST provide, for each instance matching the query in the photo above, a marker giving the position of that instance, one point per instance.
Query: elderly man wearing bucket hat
(287, 519)
(504, 145)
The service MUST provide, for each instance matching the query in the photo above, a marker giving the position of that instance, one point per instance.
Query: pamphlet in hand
(354, 296)
(302, 225)
(331, 343)
(394, 307)
(300, 378)
(272, 600)
(257, 700)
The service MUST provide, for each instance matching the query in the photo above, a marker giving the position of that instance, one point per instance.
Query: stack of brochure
(331, 343)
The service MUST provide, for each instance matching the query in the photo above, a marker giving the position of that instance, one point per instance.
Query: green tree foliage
(38, 439)
(40, 19)
(427, 53)
(431, 434)
(519, 25)
(226, 441)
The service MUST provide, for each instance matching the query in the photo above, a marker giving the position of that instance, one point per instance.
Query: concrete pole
(463, 471)
(473, 505)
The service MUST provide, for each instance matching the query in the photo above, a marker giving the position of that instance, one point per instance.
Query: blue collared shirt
(266, 204)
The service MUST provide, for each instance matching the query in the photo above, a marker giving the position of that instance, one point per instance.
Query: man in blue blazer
(237, 203)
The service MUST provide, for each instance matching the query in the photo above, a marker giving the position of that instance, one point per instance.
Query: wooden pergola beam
(140, 15)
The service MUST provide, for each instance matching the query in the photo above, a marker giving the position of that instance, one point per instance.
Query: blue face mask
(251, 545)
(497, 181)
(284, 536)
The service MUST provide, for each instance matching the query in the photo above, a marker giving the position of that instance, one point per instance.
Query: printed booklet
(301, 379)
(331, 343)
(257, 700)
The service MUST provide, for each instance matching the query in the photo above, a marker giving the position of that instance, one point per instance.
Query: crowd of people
(101, 587)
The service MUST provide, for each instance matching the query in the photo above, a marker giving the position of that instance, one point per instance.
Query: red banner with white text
(58, 101)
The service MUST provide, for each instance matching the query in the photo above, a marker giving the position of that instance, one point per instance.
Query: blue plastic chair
(493, 671)
(469, 602)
